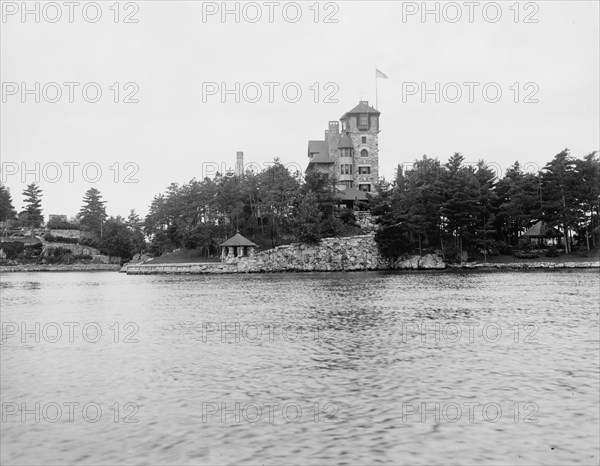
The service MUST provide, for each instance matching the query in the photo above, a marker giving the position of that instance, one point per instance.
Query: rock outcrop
(354, 253)
(428, 261)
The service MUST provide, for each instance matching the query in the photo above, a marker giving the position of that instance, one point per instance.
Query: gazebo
(237, 246)
(545, 236)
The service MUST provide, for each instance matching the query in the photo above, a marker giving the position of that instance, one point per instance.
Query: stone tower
(358, 148)
(352, 151)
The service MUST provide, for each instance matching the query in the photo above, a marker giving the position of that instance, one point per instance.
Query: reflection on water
(348, 368)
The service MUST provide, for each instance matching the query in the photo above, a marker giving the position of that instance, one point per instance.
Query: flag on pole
(380, 74)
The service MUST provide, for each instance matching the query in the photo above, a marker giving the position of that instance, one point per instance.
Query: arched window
(364, 153)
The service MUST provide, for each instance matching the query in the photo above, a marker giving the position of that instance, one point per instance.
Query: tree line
(272, 207)
(113, 236)
(456, 207)
(452, 207)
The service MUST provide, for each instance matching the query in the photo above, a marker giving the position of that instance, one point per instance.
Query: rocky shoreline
(526, 265)
(60, 268)
(218, 268)
(355, 253)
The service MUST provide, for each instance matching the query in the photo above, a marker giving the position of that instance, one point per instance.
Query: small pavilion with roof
(544, 235)
(350, 197)
(237, 246)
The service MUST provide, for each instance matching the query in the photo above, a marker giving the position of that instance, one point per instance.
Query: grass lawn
(578, 256)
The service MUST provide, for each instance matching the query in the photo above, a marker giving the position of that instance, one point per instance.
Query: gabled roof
(541, 230)
(351, 194)
(362, 107)
(321, 151)
(238, 240)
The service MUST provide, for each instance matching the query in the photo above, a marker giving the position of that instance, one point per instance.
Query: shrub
(12, 249)
(552, 252)
(59, 252)
(50, 237)
(59, 255)
(91, 242)
(347, 217)
(61, 225)
(526, 255)
(32, 250)
(525, 244)
(503, 248)
(66, 239)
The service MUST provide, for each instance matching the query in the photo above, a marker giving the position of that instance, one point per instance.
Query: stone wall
(80, 250)
(199, 268)
(331, 254)
(359, 253)
(76, 234)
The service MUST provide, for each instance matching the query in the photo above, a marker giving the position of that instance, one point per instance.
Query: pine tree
(33, 206)
(7, 210)
(559, 180)
(93, 211)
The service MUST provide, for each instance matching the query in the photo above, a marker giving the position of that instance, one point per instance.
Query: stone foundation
(355, 253)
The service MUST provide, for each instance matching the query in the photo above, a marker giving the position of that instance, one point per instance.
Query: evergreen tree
(93, 212)
(32, 214)
(588, 196)
(518, 203)
(559, 188)
(7, 210)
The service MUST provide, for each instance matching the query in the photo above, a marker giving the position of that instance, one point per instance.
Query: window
(364, 153)
(364, 139)
(348, 183)
(364, 170)
(363, 121)
(346, 169)
(347, 152)
(365, 187)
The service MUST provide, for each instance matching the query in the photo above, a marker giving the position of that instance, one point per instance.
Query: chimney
(239, 164)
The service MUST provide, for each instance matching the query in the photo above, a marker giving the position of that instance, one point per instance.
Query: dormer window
(363, 121)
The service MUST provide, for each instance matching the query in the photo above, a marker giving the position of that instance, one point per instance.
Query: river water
(337, 368)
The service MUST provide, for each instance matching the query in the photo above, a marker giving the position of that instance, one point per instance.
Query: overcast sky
(175, 130)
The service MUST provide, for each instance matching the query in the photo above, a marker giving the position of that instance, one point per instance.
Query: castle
(352, 154)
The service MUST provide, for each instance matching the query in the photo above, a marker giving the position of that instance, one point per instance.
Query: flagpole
(376, 93)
